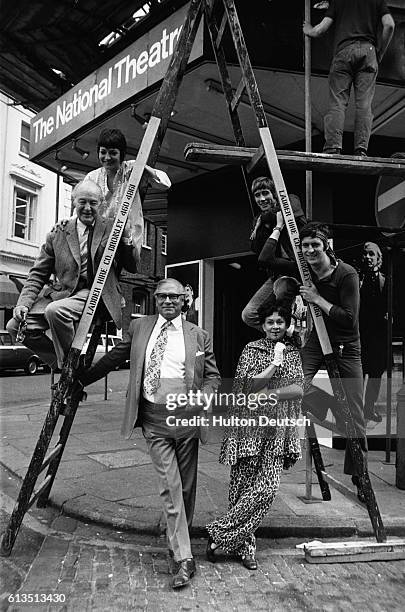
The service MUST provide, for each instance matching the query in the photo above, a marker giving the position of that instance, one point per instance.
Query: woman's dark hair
(112, 139)
(277, 306)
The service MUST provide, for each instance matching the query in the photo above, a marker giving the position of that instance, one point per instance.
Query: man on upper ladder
(359, 46)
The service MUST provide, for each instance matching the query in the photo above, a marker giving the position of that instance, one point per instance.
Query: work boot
(360, 152)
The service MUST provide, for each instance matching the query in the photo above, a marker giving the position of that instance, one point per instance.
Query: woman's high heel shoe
(249, 562)
(210, 552)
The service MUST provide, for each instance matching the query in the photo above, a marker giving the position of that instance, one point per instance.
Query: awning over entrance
(8, 292)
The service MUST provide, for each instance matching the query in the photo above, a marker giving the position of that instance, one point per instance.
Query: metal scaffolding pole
(308, 112)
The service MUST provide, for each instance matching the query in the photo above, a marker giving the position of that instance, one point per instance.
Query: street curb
(395, 526)
(88, 508)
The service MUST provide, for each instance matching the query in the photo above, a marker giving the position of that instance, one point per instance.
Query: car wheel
(31, 366)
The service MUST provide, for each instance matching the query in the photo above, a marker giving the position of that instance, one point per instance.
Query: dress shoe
(210, 552)
(360, 495)
(184, 572)
(360, 152)
(373, 416)
(332, 151)
(249, 562)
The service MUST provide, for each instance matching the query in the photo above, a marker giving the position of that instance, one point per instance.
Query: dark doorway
(236, 280)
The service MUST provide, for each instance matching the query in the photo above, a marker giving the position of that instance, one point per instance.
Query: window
(164, 242)
(24, 214)
(6, 340)
(25, 139)
(139, 302)
(146, 235)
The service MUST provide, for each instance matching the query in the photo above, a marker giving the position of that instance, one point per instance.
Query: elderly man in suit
(169, 356)
(72, 253)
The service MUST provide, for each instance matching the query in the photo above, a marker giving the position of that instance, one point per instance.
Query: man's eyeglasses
(173, 297)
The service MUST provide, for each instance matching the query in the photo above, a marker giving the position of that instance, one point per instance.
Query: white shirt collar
(81, 227)
(177, 322)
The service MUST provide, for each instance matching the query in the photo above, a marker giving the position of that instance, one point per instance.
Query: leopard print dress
(257, 455)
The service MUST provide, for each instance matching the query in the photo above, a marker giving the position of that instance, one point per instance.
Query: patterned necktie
(151, 381)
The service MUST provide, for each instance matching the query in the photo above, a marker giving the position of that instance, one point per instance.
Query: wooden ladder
(220, 16)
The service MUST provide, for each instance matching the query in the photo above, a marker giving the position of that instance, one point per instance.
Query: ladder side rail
(216, 38)
(166, 97)
(55, 460)
(70, 412)
(319, 466)
(244, 62)
(28, 484)
(224, 74)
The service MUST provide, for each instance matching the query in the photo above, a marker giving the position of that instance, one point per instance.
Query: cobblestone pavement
(98, 569)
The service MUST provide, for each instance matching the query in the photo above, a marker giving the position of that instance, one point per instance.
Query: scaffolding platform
(296, 160)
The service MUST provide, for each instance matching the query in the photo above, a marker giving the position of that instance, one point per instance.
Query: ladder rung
(255, 159)
(37, 493)
(221, 30)
(238, 94)
(51, 456)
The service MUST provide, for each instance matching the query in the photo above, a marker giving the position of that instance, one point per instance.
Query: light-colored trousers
(174, 454)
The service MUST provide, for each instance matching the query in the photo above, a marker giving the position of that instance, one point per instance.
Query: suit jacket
(60, 255)
(201, 371)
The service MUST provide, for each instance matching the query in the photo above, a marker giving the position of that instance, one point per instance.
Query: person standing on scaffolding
(335, 290)
(358, 51)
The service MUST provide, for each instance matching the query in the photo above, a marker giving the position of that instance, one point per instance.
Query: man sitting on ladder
(72, 252)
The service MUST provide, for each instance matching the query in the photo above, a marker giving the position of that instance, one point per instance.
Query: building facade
(32, 198)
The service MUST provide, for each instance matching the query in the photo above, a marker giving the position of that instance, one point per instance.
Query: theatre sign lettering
(141, 65)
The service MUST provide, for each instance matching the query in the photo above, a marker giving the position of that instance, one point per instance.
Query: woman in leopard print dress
(258, 454)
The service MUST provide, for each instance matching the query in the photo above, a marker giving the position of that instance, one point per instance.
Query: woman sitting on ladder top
(112, 178)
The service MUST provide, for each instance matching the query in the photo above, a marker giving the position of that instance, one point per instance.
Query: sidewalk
(110, 480)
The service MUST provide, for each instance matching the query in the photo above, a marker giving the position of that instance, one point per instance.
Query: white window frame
(24, 140)
(164, 242)
(146, 235)
(30, 224)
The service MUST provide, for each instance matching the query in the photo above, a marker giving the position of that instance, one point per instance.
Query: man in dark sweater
(358, 50)
(266, 200)
(335, 290)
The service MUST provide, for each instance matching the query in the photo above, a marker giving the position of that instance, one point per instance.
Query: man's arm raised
(388, 27)
(318, 30)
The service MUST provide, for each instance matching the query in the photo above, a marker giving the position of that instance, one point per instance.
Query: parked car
(100, 350)
(16, 356)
